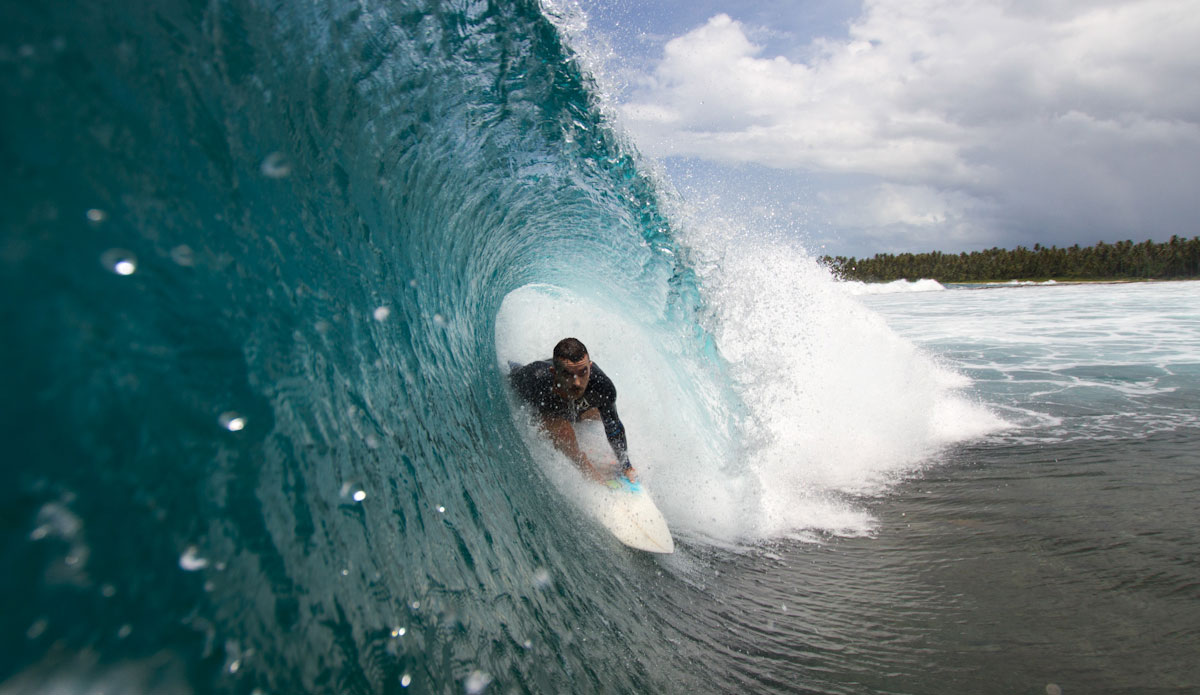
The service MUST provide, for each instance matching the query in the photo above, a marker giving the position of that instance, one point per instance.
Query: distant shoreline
(1023, 282)
(1124, 261)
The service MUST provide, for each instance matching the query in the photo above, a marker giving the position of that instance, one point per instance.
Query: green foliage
(1177, 258)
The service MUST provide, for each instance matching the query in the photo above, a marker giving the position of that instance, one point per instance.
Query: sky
(916, 125)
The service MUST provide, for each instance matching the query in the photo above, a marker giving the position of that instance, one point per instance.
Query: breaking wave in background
(855, 287)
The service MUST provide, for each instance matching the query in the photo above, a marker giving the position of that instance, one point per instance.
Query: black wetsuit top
(535, 385)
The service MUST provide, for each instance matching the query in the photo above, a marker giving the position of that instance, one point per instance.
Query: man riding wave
(567, 389)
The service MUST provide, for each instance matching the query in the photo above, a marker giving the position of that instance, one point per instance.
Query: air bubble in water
(405, 680)
(232, 421)
(119, 261)
(96, 215)
(276, 166)
(439, 319)
(541, 578)
(382, 313)
(359, 496)
(398, 631)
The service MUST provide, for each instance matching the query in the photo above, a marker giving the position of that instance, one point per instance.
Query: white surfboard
(626, 510)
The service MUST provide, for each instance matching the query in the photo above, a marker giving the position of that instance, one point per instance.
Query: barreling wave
(261, 265)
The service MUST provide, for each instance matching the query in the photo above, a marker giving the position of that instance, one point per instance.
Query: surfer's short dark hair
(569, 350)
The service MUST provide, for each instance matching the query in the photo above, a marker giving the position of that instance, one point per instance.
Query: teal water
(252, 257)
(261, 264)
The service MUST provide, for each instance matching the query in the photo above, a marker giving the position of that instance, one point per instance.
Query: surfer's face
(571, 378)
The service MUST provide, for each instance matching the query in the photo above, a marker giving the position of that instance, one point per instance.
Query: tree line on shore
(1175, 259)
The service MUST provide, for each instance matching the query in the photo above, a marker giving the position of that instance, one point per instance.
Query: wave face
(261, 264)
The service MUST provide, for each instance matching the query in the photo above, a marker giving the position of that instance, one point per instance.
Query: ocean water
(262, 266)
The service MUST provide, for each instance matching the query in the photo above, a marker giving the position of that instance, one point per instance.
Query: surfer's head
(572, 368)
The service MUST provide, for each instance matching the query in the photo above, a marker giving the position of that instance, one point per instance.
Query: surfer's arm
(621, 457)
(615, 432)
(562, 436)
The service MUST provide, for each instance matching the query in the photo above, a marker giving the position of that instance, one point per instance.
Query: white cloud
(1035, 113)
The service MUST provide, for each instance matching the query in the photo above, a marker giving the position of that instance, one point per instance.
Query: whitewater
(264, 266)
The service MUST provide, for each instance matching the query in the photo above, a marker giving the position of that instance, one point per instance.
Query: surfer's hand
(631, 473)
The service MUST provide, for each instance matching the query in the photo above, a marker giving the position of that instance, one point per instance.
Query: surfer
(569, 388)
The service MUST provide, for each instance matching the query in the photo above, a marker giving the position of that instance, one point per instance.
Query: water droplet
(382, 313)
(528, 644)
(1053, 689)
(476, 682)
(119, 261)
(372, 441)
(405, 680)
(96, 215)
(439, 319)
(416, 605)
(108, 591)
(37, 628)
(345, 573)
(190, 561)
(398, 631)
(232, 421)
(360, 495)
(412, 283)
(276, 166)
(441, 509)
(235, 665)
(541, 578)
(183, 255)
(124, 631)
